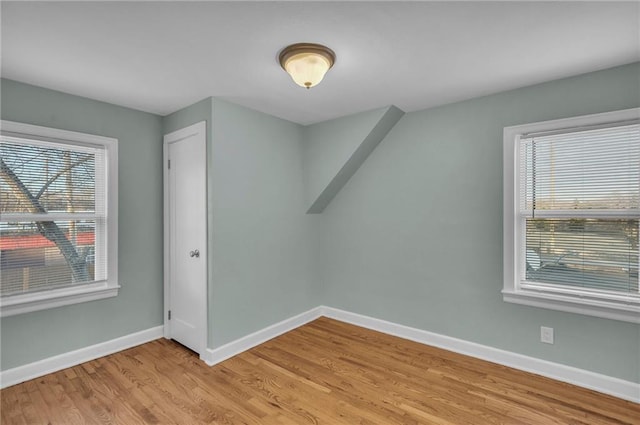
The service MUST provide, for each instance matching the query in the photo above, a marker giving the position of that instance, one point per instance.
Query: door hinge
(169, 314)
(168, 163)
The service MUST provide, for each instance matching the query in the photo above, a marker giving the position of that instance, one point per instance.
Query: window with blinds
(572, 214)
(53, 215)
(55, 222)
(579, 201)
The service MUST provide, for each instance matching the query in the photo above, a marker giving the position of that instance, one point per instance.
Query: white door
(186, 237)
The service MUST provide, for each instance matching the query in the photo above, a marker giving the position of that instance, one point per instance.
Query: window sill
(627, 311)
(25, 303)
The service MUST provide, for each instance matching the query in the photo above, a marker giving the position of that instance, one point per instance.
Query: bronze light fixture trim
(307, 63)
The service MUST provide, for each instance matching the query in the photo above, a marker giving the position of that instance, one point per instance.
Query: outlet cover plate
(546, 335)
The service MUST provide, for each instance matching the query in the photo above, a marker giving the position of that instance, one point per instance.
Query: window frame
(613, 306)
(11, 305)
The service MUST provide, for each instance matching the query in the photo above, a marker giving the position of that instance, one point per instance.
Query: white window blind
(53, 215)
(579, 209)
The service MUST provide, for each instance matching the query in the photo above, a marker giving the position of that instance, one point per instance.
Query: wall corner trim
(583, 378)
(222, 353)
(42, 367)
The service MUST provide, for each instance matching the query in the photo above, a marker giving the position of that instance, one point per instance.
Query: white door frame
(176, 136)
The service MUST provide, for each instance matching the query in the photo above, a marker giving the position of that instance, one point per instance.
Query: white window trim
(23, 303)
(619, 307)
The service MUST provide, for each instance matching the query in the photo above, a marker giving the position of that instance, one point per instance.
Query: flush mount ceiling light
(307, 62)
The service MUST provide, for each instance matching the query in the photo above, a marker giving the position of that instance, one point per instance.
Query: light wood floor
(325, 372)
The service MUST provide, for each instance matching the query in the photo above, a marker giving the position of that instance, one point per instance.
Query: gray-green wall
(261, 244)
(415, 237)
(33, 336)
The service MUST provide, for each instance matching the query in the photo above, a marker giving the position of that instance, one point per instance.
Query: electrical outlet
(546, 335)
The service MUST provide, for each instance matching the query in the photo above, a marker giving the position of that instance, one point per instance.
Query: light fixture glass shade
(307, 69)
(307, 63)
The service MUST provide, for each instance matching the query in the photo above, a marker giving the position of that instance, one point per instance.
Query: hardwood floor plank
(402, 385)
(325, 372)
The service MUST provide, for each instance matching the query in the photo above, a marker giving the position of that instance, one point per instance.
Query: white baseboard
(226, 351)
(72, 358)
(598, 382)
(594, 381)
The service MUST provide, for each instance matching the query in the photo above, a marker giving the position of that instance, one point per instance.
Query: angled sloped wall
(334, 150)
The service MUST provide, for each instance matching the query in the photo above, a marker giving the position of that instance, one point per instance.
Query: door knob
(195, 253)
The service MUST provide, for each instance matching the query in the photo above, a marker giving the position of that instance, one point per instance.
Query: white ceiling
(162, 56)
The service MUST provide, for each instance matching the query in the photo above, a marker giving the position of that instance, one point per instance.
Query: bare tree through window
(53, 184)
